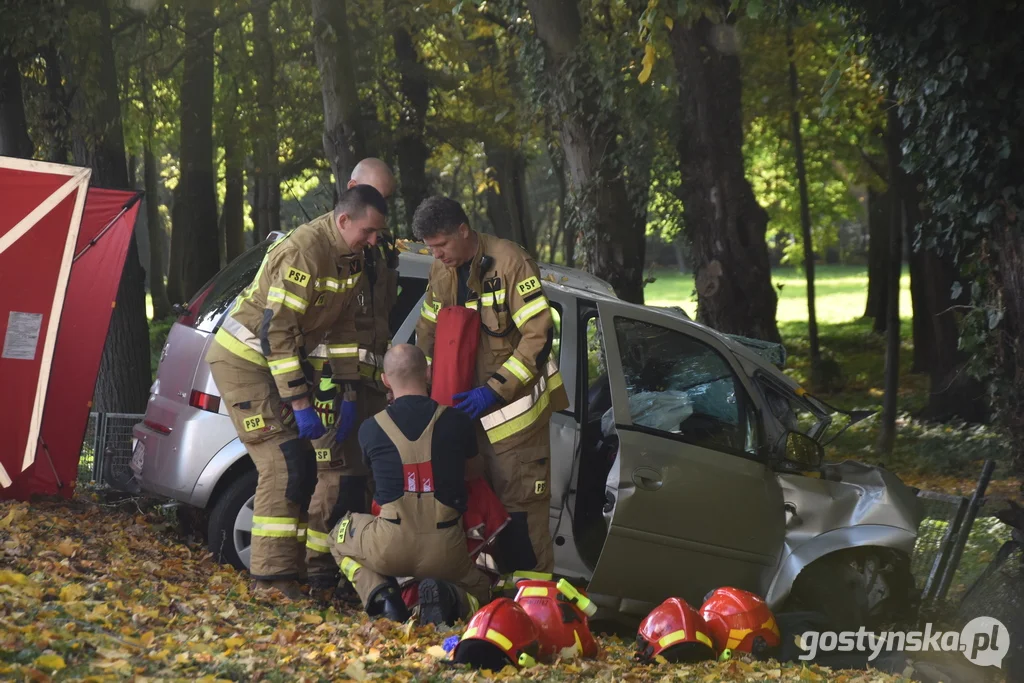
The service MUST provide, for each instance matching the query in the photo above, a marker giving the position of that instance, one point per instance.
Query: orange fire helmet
(560, 623)
(740, 621)
(675, 631)
(500, 633)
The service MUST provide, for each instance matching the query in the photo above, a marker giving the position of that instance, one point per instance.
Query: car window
(599, 396)
(790, 411)
(556, 342)
(682, 387)
(226, 284)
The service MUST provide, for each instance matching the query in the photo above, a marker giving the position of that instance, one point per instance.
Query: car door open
(695, 507)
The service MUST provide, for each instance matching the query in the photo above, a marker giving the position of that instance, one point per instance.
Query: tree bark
(919, 300)
(879, 217)
(195, 253)
(890, 401)
(344, 137)
(124, 375)
(157, 286)
(56, 115)
(14, 139)
(508, 205)
(411, 148)
(234, 195)
(722, 218)
(805, 202)
(1009, 239)
(614, 227)
(267, 175)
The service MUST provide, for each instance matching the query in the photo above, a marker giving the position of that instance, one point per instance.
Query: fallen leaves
(72, 592)
(50, 662)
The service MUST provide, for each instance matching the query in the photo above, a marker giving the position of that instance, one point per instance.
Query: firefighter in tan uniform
(519, 383)
(418, 451)
(342, 475)
(299, 299)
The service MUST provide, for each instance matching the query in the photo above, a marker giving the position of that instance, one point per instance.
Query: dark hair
(437, 215)
(356, 200)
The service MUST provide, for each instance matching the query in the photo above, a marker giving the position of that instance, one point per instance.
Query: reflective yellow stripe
(429, 360)
(470, 632)
(236, 347)
(349, 567)
(672, 638)
(530, 310)
(300, 534)
(275, 527)
(327, 284)
(523, 412)
(473, 305)
(516, 367)
(342, 350)
(534, 592)
(370, 358)
(498, 639)
(491, 298)
(350, 283)
(533, 576)
(427, 311)
(704, 639)
(296, 303)
(284, 366)
(318, 542)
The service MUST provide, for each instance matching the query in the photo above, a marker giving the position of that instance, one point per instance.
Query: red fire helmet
(560, 624)
(675, 631)
(500, 633)
(740, 621)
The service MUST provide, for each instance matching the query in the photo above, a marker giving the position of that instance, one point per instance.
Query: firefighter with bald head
(518, 383)
(342, 476)
(299, 299)
(418, 452)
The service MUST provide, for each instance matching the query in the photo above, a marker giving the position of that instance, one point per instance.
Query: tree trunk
(14, 139)
(890, 401)
(566, 234)
(267, 176)
(56, 115)
(919, 300)
(411, 148)
(124, 375)
(234, 195)
(879, 218)
(1009, 239)
(508, 205)
(154, 223)
(614, 229)
(722, 218)
(195, 254)
(344, 138)
(805, 203)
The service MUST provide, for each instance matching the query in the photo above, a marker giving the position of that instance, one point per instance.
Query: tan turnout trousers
(415, 536)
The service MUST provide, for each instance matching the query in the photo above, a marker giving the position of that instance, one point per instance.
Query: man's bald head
(372, 171)
(405, 370)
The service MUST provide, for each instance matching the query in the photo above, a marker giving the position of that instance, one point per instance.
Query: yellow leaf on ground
(50, 662)
(9, 578)
(147, 638)
(235, 642)
(14, 515)
(437, 651)
(311, 619)
(66, 548)
(72, 592)
(355, 670)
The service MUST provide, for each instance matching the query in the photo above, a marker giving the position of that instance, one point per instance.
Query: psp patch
(254, 423)
(343, 529)
(323, 455)
(539, 487)
(297, 276)
(528, 285)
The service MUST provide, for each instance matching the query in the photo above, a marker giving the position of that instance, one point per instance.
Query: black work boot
(439, 602)
(387, 601)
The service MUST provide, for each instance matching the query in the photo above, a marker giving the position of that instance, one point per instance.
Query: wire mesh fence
(107, 450)
(88, 458)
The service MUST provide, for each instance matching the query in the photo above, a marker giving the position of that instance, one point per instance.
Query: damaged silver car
(685, 461)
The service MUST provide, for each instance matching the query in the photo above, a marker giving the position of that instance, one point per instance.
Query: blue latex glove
(477, 401)
(346, 420)
(450, 642)
(310, 426)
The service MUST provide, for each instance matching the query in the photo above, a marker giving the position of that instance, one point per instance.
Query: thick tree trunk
(1009, 239)
(890, 401)
(157, 286)
(614, 238)
(411, 148)
(234, 196)
(14, 139)
(919, 300)
(566, 235)
(344, 138)
(508, 205)
(124, 374)
(879, 218)
(195, 253)
(267, 175)
(722, 218)
(56, 116)
(805, 203)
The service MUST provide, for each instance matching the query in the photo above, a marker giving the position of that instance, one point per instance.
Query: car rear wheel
(230, 528)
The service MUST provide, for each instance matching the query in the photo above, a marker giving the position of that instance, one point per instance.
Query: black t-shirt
(463, 275)
(454, 440)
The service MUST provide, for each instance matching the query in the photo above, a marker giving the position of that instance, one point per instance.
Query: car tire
(854, 588)
(227, 537)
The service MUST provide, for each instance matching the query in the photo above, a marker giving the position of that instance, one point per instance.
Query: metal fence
(107, 450)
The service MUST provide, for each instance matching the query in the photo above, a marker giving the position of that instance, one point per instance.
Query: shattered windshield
(797, 412)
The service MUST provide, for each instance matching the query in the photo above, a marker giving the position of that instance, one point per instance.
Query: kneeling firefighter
(517, 383)
(417, 452)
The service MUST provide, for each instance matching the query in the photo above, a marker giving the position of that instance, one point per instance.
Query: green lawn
(841, 292)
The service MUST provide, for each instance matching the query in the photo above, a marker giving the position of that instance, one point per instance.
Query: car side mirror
(802, 452)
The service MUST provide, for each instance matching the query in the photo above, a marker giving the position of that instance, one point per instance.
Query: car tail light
(159, 428)
(204, 401)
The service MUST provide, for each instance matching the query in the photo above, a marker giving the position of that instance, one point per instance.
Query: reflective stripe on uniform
(349, 567)
(342, 350)
(327, 284)
(426, 311)
(285, 365)
(370, 358)
(530, 310)
(238, 348)
(473, 305)
(300, 534)
(318, 541)
(319, 352)
(351, 281)
(517, 368)
(242, 334)
(296, 303)
(523, 412)
(275, 527)
(491, 298)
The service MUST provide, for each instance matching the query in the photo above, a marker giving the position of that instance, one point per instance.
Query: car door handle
(647, 478)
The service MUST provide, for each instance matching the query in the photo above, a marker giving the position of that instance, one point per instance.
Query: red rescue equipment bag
(456, 339)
